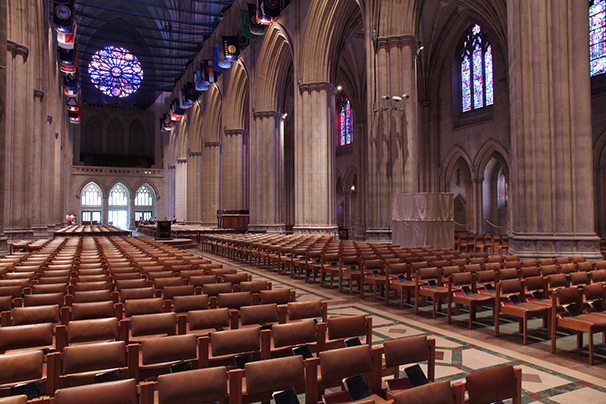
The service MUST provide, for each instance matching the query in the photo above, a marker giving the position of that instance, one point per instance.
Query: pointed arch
(331, 26)
(236, 98)
(491, 149)
(86, 187)
(211, 121)
(193, 127)
(274, 64)
(450, 162)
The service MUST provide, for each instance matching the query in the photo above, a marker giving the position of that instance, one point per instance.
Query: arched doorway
(495, 197)
(462, 188)
(118, 203)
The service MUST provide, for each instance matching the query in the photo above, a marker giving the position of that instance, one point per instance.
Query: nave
(458, 352)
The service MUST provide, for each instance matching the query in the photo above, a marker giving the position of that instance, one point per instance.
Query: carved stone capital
(38, 94)
(11, 47)
(17, 50)
(318, 86)
(266, 114)
(399, 41)
(211, 144)
(234, 132)
(195, 154)
(181, 161)
(171, 167)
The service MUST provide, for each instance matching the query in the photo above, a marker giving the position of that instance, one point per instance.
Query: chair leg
(590, 347)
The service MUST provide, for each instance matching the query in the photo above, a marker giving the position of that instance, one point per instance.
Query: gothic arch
(236, 98)
(211, 121)
(96, 182)
(349, 177)
(148, 183)
(274, 61)
(330, 26)
(120, 181)
(599, 152)
(450, 162)
(491, 149)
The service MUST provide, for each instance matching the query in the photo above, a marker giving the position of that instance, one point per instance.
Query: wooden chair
(225, 345)
(458, 295)
(493, 385)
(523, 310)
(404, 351)
(159, 354)
(265, 377)
(296, 311)
(118, 392)
(333, 333)
(78, 365)
(337, 364)
(23, 367)
(433, 393)
(589, 323)
(393, 273)
(424, 289)
(188, 387)
(286, 336)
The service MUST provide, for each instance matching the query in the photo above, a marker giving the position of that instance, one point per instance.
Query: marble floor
(565, 378)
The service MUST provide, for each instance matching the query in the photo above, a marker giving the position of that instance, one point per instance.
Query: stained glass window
(91, 195)
(476, 71)
(144, 196)
(597, 37)
(118, 196)
(344, 120)
(115, 72)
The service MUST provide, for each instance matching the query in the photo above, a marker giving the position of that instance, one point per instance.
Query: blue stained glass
(478, 79)
(466, 84)
(476, 71)
(345, 123)
(488, 75)
(597, 38)
(115, 72)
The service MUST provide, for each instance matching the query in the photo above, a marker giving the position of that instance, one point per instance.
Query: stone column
(46, 180)
(315, 210)
(478, 204)
(4, 62)
(105, 211)
(181, 189)
(210, 187)
(36, 167)
(233, 161)
(393, 140)
(550, 97)
(17, 131)
(194, 196)
(267, 197)
(131, 212)
(169, 193)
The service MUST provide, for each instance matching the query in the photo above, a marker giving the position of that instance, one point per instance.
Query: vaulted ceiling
(164, 35)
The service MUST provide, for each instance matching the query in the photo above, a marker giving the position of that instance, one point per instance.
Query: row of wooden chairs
(258, 381)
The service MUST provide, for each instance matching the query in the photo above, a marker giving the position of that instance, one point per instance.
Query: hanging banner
(73, 103)
(66, 40)
(271, 8)
(64, 17)
(218, 64)
(230, 49)
(262, 18)
(253, 24)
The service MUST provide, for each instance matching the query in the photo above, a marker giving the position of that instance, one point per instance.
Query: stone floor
(563, 378)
